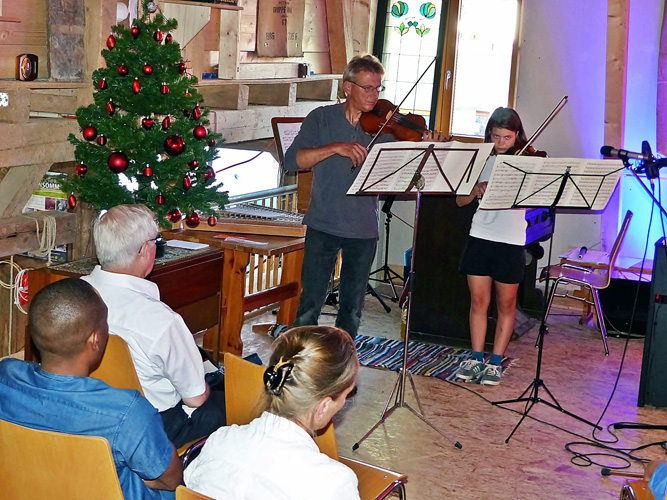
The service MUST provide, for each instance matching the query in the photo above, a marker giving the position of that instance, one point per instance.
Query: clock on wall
(26, 67)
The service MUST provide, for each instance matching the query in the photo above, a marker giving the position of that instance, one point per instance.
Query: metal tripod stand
(386, 273)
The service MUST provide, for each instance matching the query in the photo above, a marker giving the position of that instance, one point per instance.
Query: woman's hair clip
(276, 375)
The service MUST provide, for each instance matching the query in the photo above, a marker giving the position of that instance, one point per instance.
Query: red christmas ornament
(81, 169)
(157, 35)
(166, 122)
(192, 220)
(111, 107)
(123, 70)
(159, 199)
(135, 31)
(148, 171)
(181, 67)
(102, 84)
(148, 69)
(193, 164)
(117, 162)
(101, 140)
(209, 175)
(136, 86)
(187, 182)
(212, 221)
(212, 143)
(168, 38)
(187, 94)
(174, 215)
(71, 201)
(111, 42)
(147, 122)
(196, 112)
(89, 133)
(164, 88)
(174, 145)
(199, 132)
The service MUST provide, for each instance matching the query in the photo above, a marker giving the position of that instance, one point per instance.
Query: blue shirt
(658, 482)
(33, 398)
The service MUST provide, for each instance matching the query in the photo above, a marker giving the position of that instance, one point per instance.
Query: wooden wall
(23, 30)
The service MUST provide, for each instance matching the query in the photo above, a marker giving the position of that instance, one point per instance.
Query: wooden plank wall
(23, 30)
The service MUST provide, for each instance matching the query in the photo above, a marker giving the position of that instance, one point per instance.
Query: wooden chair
(183, 493)
(243, 389)
(587, 279)
(636, 490)
(117, 367)
(54, 465)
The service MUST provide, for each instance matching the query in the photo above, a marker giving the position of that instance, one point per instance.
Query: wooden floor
(534, 464)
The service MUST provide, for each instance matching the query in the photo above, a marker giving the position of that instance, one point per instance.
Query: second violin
(384, 120)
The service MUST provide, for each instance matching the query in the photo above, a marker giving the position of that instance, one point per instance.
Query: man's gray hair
(366, 62)
(120, 233)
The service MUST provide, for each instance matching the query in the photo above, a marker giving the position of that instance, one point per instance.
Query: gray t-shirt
(331, 210)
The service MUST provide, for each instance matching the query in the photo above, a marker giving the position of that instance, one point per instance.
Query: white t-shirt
(502, 226)
(271, 458)
(165, 355)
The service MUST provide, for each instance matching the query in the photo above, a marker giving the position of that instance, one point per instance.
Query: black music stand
(538, 183)
(426, 165)
(387, 274)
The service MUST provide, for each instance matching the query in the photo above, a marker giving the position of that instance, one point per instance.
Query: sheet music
(454, 167)
(591, 182)
(288, 132)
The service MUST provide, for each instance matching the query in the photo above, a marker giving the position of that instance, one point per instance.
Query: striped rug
(423, 359)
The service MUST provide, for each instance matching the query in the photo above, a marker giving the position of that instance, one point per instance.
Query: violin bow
(396, 108)
(546, 122)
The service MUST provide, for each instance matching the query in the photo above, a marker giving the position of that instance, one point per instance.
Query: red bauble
(212, 221)
(192, 220)
(187, 182)
(81, 169)
(166, 122)
(71, 201)
(181, 67)
(193, 164)
(196, 112)
(159, 199)
(102, 84)
(174, 145)
(123, 70)
(157, 35)
(200, 132)
(101, 140)
(209, 175)
(168, 38)
(117, 162)
(135, 31)
(111, 107)
(147, 122)
(164, 88)
(148, 69)
(187, 94)
(136, 86)
(148, 171)
(212, 143)
(89, 133)
(111, 42)
(174, 215)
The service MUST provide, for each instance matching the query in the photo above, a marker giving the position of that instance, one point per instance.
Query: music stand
(425, 168)
(533, 182)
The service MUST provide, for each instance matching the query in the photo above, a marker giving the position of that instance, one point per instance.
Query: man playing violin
(332, 144)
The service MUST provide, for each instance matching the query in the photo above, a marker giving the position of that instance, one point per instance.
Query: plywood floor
(534, 464)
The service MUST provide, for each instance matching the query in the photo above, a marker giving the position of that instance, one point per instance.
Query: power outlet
(4, 100)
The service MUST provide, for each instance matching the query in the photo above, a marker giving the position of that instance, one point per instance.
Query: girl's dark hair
(509, 119)
(323, 363)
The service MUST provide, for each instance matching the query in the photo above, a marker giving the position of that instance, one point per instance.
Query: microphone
(610, 152)
(582, 252)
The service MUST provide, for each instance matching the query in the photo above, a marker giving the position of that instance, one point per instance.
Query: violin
(529, 151)
(385, 119)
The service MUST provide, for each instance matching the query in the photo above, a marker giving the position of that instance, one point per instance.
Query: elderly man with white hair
(166, 358)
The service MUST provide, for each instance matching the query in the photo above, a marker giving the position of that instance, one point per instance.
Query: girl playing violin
(493, 257)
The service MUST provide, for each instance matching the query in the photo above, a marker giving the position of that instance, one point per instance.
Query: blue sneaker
(491, 375)
(470, 369)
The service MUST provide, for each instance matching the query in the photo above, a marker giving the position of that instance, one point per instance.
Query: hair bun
(276, 375)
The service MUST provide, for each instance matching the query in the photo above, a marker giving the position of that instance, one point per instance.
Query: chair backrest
(244, 387)
(54, 465)
(116, 367)
(615, 250)
(183, 493)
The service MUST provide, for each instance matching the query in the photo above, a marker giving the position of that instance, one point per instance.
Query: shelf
(222, 6)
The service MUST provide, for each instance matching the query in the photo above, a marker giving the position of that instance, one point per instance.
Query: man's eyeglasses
(157, 239)
(369, 88)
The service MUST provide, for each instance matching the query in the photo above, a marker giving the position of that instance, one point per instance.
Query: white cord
(47, 238)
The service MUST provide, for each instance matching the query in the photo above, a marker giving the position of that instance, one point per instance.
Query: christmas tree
(144, 140)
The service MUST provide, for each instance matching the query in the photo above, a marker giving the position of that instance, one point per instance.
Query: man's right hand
(354, 151)
(307, 158)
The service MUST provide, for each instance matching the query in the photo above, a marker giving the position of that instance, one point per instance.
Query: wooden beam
(339, 27)
(225, 96)
(17, 186)
(280, 94)
(317, 90)
(100, 17)
(35, 134)
(191, 20)
(18, 110)
(229, 55)
(19, 235)
(258, 71)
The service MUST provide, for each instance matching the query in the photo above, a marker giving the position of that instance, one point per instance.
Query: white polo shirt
(165, 355)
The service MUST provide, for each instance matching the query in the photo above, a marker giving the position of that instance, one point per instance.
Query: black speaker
(653, 382)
